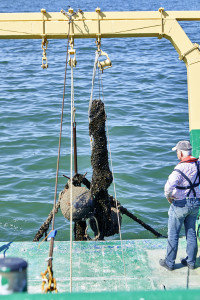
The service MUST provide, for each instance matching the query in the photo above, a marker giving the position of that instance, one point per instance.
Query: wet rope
(58, 158)
(45, 226)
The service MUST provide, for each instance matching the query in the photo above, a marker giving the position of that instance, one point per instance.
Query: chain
(44, 56)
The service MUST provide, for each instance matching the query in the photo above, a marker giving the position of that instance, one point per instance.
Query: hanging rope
(118, 216)
(48, 274)
(71, 168)
(59, 146)
(122, 209)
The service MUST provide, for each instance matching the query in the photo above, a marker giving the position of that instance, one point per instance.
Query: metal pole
(75, 148)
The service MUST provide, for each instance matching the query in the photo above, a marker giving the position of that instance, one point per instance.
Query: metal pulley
(72, 60)
(105, 64)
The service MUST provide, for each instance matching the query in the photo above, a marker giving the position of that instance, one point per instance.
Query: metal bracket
(182, 56)
(103, 65)
(161, 10)
(72, 51)
(70, 13)
(44, 43)
(72, 61)
(98, 36)
(44, 57)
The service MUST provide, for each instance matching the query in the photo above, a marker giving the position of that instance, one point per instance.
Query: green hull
(195, 142)
(132, 295)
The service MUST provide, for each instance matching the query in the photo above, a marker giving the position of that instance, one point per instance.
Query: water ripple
(145, 95)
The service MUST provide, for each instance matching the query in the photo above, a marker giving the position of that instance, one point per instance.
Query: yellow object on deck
(49, 280)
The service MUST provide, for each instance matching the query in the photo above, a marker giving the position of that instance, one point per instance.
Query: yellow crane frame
(99, 24)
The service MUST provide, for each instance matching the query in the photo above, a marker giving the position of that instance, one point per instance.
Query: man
(182, 191)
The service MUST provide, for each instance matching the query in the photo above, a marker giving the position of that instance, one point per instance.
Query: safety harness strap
(191, 185)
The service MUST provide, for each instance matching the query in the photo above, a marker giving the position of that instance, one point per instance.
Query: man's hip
(187, 202)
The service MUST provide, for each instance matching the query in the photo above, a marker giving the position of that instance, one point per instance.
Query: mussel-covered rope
(124, 211)
(93, 80)
(45, 226)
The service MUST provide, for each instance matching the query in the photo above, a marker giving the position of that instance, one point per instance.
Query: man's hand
(168, 195)
(170, 200)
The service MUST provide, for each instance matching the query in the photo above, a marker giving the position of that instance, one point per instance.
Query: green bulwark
(195, 142)
(98, 267)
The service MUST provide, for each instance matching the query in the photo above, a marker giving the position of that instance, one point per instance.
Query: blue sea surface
(146, 102)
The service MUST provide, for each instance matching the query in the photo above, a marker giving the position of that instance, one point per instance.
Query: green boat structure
(98, 268)
(112, 268)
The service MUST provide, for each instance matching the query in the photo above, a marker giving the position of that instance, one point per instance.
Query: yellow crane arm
(161, 24)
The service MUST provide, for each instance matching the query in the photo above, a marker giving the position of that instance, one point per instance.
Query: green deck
(98, 266)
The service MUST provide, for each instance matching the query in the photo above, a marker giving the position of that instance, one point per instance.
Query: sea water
(145, 96)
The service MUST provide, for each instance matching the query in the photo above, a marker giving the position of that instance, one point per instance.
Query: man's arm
(170, 186)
